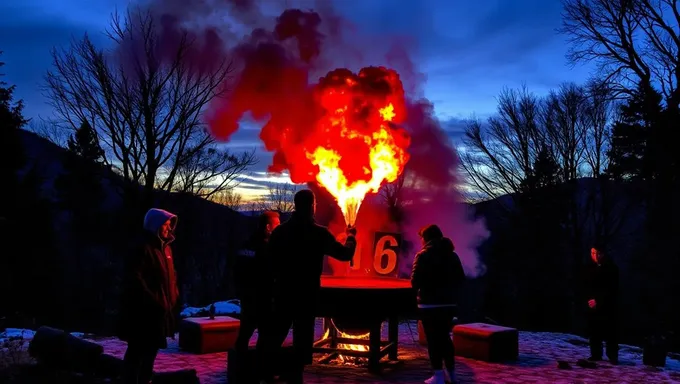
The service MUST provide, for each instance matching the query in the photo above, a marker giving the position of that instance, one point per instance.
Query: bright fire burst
(365, 147)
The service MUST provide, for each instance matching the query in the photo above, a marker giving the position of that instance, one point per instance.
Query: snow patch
(222, 308)
(16, 333)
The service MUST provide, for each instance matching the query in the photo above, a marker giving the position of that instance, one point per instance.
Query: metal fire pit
(359, 306)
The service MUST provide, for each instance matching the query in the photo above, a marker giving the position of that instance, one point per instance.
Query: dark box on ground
(202, 335)
(486, 342)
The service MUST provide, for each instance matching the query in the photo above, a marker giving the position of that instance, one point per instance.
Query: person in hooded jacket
(255, 285)
(437, 275)
(147, 313)
(297, 249)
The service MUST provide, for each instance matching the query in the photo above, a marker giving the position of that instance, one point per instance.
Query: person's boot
(437, 378)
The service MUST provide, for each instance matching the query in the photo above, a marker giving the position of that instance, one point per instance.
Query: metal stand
(377, 347)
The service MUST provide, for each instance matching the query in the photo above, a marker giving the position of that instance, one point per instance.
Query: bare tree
(392, 192)
(229, 198)
(498, 156)
(599, 115)
(565, 125)
(208, 171)
(632, 42)
(279, 197)
(145, 101)
(50, 130)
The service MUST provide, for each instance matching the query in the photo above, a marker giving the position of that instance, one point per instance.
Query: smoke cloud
(278, 54)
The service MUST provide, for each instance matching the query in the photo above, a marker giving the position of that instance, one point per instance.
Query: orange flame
(369, 149)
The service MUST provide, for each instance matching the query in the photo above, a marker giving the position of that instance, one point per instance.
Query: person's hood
(443, 244)
(155, 218)
(446, 245)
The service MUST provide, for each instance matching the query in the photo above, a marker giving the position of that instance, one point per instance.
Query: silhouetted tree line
(27, 232)
(584, 164)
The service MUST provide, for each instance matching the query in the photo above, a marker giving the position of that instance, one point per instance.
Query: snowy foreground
(539, 353)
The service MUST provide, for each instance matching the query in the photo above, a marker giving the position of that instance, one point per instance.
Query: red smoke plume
(278, 64)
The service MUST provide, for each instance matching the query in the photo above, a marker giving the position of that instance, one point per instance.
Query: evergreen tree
(79, 186)
(545, 173)
(27, 274)
(11, 154)
(85, 144)
(631, 152)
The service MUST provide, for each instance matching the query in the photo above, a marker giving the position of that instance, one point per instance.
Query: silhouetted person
(255, 283)
(602, 287)
(149, 298)
(437, 275)
(297, 248)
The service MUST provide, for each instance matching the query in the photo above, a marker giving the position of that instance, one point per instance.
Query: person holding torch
(297, 249)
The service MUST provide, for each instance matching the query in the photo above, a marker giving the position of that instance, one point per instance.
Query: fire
(344, 133)
(361, 345)
(365, 147)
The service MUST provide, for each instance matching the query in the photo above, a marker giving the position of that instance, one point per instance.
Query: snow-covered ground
(10, 334)
(222, 308)
(539, 353)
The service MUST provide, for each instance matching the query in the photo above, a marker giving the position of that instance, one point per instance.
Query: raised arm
(337, 250)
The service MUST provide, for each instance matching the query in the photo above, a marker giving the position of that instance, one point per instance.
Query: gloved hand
(351, 231)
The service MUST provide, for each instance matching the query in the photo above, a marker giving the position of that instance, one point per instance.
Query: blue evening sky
(468, 50)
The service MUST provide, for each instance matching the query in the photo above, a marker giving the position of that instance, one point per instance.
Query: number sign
(386, 253)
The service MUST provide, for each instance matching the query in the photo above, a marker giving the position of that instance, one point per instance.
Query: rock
(59, 350)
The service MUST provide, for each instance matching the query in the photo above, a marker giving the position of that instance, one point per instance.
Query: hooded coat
(437, 273)
(147, 312)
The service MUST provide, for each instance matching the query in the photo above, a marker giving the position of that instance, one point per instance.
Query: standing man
(255, 283)
(149, 297)
(297, 248)
(602, 288)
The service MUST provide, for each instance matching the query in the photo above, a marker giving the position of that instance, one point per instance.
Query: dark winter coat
(437, 273)
(297, 249)
(148, 305)
(253, 273)
(602, 284)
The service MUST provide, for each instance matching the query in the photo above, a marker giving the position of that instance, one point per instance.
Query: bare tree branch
(566, 128)
(145, 100)
(50, 130)
(631, 41)
(206, 171)
(499, 155)
(228, 198)
(279, 198)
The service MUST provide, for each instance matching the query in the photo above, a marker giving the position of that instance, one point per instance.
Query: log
(59, 350)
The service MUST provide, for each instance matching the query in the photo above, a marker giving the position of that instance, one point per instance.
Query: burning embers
(352, 347)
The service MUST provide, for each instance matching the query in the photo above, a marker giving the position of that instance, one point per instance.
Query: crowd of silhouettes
(278, 273)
